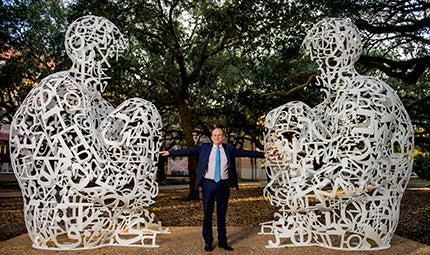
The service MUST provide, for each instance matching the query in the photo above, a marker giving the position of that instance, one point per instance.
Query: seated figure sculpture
(86, 169)
(341, 167)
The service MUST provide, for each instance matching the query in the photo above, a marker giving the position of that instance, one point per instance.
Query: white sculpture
(86, 170)
(342, 166)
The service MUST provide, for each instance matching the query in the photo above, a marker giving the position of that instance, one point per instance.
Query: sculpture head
(335, 45)
(90, 42)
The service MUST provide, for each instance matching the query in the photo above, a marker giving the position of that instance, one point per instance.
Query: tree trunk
(187, 126)
(161, 173)
(192, 170)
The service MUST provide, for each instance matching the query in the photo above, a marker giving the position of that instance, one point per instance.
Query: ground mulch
(247, 208)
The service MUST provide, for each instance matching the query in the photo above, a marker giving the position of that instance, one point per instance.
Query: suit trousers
(220, 192)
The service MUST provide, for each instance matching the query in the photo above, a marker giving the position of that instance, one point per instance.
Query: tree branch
(388, 28)
(408, 71)
(295, 89)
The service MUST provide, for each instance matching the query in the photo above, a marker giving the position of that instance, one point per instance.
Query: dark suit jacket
(203, 152)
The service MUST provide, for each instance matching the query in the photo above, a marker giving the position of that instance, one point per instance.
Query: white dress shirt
(210, 171)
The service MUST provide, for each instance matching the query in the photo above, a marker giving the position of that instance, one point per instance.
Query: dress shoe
(209, 247)
(225, 247)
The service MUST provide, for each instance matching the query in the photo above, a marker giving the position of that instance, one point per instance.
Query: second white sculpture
(342, 166)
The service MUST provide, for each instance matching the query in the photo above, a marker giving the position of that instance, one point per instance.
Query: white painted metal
(342, 166)
(86, 169)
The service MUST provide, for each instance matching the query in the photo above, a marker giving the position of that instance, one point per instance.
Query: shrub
(422, 166)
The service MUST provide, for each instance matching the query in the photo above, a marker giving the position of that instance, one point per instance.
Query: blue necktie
(217, 165)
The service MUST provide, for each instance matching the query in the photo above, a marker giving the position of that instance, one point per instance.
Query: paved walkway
(187, 240)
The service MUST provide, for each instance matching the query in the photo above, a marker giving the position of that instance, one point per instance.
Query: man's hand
(164, 153)
(269, 156)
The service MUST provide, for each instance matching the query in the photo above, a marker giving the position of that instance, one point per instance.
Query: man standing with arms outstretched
(216, 173)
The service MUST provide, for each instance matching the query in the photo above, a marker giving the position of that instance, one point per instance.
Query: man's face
(217, 136)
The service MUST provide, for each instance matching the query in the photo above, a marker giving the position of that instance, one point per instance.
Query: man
(216, 181)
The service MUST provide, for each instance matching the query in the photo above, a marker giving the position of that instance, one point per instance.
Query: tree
(202, 61)
(397, 49)
(180, 49)
(31, 35)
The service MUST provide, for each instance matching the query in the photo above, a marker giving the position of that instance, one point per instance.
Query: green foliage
(32, 39)
(202, 61)
(10, 185)
(416, 99)
(422, 165)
